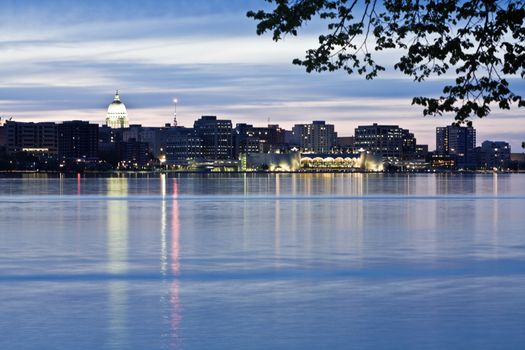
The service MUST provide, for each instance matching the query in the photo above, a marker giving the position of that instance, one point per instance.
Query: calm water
(263, 262)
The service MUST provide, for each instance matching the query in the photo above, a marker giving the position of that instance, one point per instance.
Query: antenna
(175, 101)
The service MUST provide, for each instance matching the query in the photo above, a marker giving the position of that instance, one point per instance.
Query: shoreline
(131, 172)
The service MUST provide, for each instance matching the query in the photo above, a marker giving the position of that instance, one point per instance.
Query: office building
(31, 137)
(78, 139)
(250, 139)
(317, 137)
(216, 136)
(458, 142)
(155, 137)
(388, 141)
(494, 154)
(133, 153)
(183, 146)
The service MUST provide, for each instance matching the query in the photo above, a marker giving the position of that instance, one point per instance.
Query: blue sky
(62, 60)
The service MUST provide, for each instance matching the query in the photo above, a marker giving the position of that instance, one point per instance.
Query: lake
(262, 261)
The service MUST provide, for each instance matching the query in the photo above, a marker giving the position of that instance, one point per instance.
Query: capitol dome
(117, 116)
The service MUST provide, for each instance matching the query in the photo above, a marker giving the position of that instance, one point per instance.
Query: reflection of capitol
(117, 245)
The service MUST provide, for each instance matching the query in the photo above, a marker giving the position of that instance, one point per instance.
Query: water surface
(289, 261)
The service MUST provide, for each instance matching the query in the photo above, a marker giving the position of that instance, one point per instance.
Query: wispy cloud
(62, 60)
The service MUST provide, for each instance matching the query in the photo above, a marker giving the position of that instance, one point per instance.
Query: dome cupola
(117, 116)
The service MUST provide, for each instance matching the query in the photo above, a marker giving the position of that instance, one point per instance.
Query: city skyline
(63, 62)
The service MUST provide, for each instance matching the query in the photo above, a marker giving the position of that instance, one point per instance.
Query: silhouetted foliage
(480, 41)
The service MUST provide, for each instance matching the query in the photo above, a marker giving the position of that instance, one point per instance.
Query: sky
(63, 60)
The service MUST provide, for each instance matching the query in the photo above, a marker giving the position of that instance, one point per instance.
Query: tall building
(495, 154)
(216, 136)
(155, 137)
(117, 115)
(250, 139)
(78, 139)
(31, 137)
(183, 145)
(134, 153)
(388, 141)
(317, 137)
(458, 142)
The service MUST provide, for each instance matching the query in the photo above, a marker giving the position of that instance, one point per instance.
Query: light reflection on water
(285, 261)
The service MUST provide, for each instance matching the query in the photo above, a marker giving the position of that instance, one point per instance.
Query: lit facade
(216, 136)
(117, 115)
(495, 154)
(183, 146)
(78, 139)
(458, 142)
(388, 141)
(316, 137)
(31, 137)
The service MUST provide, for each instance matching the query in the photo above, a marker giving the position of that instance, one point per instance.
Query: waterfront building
(250, 139)
(117, 115)
(345, 143)
(216, 137)
(31, 137)
(133, 154)
(458, 142)
(494, 154)
(3, 136)
(154, 137)
(315, 137)
(183, 146)
(388, 141)
(421, 152)
(271, 161)
(78, 139)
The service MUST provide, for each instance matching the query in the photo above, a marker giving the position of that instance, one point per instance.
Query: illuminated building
(494, 154)
(183, 146)
(250, 139)
(458, 142)
(271, 161)
(216, 136)
(31, 137)
(133, 153)
(388, 141)
(316, 137)
(78, 139)
(341, 161)
(155, 137)
(117, 115)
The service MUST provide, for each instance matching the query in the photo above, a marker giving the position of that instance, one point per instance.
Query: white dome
(117, 116)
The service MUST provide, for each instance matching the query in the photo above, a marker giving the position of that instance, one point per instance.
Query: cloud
(61, 60)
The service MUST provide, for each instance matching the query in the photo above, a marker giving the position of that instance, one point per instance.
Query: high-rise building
(317, 137)
(134, 153)
(78, 139)
(155, 137)
(183, 145)
(458, 142)
(388, 141)
(216, 136)
(31, 137)
(495, 154)
(250, 139)
(117, 115)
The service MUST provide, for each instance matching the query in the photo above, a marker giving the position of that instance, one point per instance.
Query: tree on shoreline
(480, 41)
